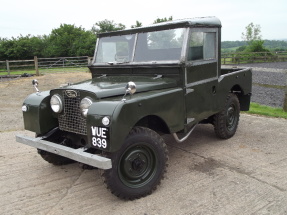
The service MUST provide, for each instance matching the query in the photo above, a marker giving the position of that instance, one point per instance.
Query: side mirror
(131, 88)
(35, 83)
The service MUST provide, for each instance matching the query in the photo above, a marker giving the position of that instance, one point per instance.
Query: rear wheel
(226, 121)
(139, 166)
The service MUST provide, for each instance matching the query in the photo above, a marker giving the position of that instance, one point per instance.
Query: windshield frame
(180, 55)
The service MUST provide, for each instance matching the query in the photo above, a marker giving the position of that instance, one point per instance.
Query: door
(201, 74)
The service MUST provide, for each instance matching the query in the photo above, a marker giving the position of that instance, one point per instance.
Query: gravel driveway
(274, 66)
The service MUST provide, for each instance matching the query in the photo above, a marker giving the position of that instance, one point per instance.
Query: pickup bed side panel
(240, 80)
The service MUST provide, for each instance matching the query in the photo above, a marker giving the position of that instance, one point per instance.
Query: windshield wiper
(122, 62)
(116, 62)
(157, 77)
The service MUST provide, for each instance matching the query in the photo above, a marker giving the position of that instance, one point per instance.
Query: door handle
(189, 91)
(213, 90)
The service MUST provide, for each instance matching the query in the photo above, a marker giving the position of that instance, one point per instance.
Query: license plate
(100, 136)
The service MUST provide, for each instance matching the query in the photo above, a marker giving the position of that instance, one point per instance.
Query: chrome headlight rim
(56, 103)
(84, 105)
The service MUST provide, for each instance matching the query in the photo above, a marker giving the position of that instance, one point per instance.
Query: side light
(106, 121)
(24, 108)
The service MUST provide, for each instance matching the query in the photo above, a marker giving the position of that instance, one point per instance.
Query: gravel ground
(269, 88)
(268, 96)
(269, 78)
(269, 84)
(276, 65)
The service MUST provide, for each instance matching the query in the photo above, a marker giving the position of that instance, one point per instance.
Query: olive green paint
(128, 113)
(39, 116)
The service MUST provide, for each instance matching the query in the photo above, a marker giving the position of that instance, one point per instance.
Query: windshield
(117, 48)
(165, 45)
(159, 45)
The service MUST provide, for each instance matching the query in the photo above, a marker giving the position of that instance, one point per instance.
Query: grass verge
(266, 111)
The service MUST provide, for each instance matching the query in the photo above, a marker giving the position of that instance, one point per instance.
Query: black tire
(226, 121)
(139, 166)
(54, 159)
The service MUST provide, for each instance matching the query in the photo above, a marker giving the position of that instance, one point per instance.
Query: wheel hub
(137, 166)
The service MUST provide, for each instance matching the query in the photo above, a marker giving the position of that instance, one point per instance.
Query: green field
(227, 50)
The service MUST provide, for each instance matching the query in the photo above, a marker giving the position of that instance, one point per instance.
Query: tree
(159, 20)
(138, 24)
(107, 26)
(253, 38)
(22, 47)
(256, 46)
(69, 40)
(252, 33)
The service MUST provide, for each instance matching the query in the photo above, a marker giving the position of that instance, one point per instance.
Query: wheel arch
(244, 99)
(237, 89)
(153, 122)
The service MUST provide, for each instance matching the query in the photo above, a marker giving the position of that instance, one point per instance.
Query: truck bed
(225, 71)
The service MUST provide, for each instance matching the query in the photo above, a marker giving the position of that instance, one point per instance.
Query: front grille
(71, 120)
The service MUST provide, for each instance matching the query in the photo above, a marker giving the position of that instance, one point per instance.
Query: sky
(34, 17)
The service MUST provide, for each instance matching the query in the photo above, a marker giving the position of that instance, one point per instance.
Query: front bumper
(75, 154)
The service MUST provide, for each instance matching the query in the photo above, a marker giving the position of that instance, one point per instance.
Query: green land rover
(146, 82)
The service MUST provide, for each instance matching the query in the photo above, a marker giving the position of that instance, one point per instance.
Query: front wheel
(226, 121)
(139, 166)
(54, 159)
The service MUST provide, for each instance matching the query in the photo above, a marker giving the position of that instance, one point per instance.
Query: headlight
(56, 103)
(84, 106)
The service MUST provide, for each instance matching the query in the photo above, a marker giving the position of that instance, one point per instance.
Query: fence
(253, 57)
(7, 66)
(43, 64)
(54, 64)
